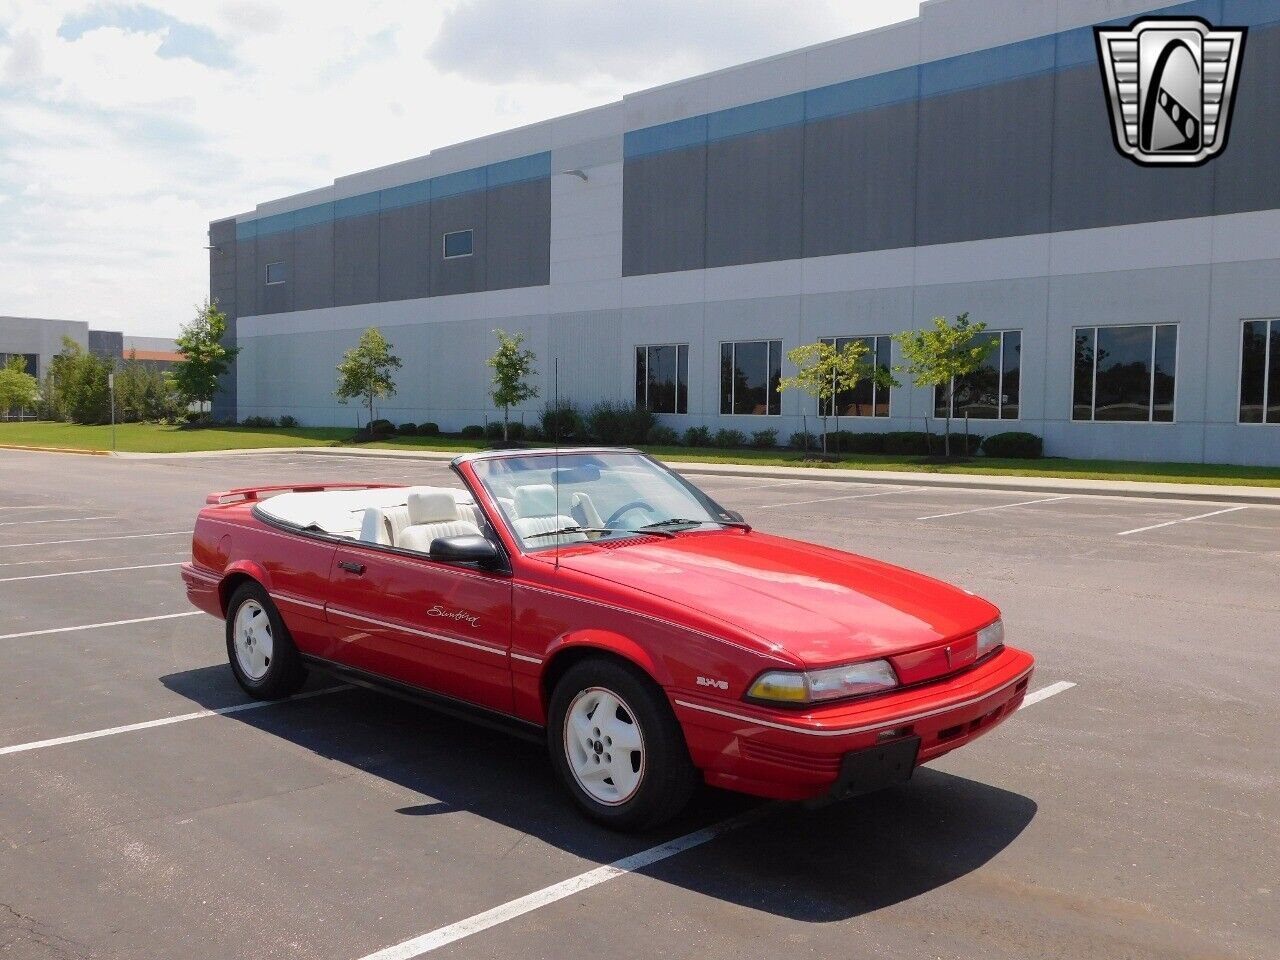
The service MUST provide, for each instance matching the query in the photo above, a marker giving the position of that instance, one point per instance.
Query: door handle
(351, 567)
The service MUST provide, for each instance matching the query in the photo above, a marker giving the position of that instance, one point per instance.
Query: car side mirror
(465, 549)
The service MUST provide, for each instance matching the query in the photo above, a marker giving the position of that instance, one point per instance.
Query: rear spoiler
(247, 494)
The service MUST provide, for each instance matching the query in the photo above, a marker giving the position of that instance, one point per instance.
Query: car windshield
(549, 500)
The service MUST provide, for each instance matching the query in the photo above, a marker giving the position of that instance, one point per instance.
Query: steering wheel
(627, 508)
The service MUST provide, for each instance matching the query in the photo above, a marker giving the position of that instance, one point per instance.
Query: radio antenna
(555, 406)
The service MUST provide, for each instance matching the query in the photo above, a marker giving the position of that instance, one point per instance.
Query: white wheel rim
(251, 635)
(604, 746)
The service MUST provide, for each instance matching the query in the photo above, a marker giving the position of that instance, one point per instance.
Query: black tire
(668, 777)
(285, 672)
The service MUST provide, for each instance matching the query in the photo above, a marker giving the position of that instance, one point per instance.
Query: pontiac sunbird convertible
(607, 606)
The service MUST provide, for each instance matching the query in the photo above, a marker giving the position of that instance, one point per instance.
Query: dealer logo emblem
(1170, 84)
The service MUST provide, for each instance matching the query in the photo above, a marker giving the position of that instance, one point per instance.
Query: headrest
(536, 500)
(436, 506)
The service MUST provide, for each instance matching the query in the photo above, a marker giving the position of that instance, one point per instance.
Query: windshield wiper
(565, 530)
(682, 522)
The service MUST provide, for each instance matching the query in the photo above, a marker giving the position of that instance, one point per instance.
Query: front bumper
(799, 756)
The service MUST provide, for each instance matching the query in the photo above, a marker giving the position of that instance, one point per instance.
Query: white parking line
(95, 626)
(1170, 523)
(1003, 506)
(129, 536)
(50, 506)
(758, 486)
(80, 573)
(18, 523)
(163, 721)
(33, 563)
(853, 496)
(512, 909)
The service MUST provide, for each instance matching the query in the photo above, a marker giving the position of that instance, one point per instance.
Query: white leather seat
(384, 525)
(433, 515)
(584, 511)
(535, 508)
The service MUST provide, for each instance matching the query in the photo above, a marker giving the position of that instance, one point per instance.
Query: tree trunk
(946, 438)
(506, 417)
(371, 412)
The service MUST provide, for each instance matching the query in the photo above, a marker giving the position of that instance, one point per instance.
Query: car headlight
(817, 686)
(990, 637)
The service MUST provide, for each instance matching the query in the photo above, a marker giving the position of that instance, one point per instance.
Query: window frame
(266, 274)
(1266, 371)
(875, 387)
(1151, 383)
(999, 418)
(646, 347)
(444, 244)
(733, 391)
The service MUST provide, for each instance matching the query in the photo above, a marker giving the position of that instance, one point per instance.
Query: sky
(126, 127)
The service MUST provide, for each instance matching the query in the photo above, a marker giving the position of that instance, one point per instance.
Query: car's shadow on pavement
(820, 865)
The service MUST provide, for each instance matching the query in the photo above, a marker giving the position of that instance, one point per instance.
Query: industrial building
(670, 248)
(38, 340)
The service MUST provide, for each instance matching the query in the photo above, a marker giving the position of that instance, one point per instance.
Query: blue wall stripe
(519, 170)
(1025, 58)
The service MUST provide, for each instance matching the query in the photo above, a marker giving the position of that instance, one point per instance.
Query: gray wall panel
(664, 212)
(313, 266)
(754, 204)
(859, 191)
(984, 162)
(278, 297)
(355, 260)
(1247, 171)
(461, 274)
(246, 302)
(403, 251)
(1093, 185)
(222, 289)
(518, 235)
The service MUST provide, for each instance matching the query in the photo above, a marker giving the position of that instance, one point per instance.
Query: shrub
(865, 443)
(764, 439)
(258, 422)
(515, 430)
(610, 422)
(407, 429)
(697, 437)
(473, 431)
(957, 444)
(729, 438)
(661, 436)
(290, 422)
(561, 420)
(533, 432)
(906, 441)
(382, 427)
(802, 440)
(428, 429)
(493, 429)
(1015, 443)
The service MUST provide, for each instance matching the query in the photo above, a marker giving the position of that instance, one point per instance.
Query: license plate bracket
(875, 768)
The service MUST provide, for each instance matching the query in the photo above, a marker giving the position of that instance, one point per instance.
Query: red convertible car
(602, 603)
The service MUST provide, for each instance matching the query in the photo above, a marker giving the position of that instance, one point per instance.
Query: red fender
(610, 642)
(246, 568)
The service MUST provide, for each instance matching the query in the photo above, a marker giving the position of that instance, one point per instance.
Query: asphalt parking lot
(1133, 814)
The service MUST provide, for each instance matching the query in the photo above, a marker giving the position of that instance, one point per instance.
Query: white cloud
(116, 150)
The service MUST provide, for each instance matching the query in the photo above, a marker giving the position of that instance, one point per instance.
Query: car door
(435, 626)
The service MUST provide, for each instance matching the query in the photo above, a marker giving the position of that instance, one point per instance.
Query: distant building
(38, 340)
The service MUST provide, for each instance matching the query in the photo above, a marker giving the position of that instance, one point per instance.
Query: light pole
(111, 387)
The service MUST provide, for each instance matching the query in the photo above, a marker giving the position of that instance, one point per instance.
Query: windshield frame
(465, 467)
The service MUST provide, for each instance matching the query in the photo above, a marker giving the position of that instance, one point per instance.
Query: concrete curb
(1195, 492)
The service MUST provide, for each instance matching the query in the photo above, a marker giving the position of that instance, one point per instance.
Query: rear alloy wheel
(263, 658)
(617, 746)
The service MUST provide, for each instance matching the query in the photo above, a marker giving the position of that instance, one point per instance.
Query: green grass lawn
(158, 438)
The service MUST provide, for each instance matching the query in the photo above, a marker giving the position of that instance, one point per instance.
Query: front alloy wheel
(617, 746)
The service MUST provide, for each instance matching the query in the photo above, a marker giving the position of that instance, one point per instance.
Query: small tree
(824, 372)
(18, 389)
(936, 357)
(204, 356)
(512, 368)
(366, 370)
(77, 384)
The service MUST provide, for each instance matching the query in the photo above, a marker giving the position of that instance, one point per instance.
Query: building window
(867, 399)
(275, 272)
(749, 374)
(1125, 374)
(662, 378)
(30, 362)
(460, 243)
(1260, 372)
(991, 391)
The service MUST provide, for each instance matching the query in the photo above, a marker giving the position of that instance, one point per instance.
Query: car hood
(819, 605)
